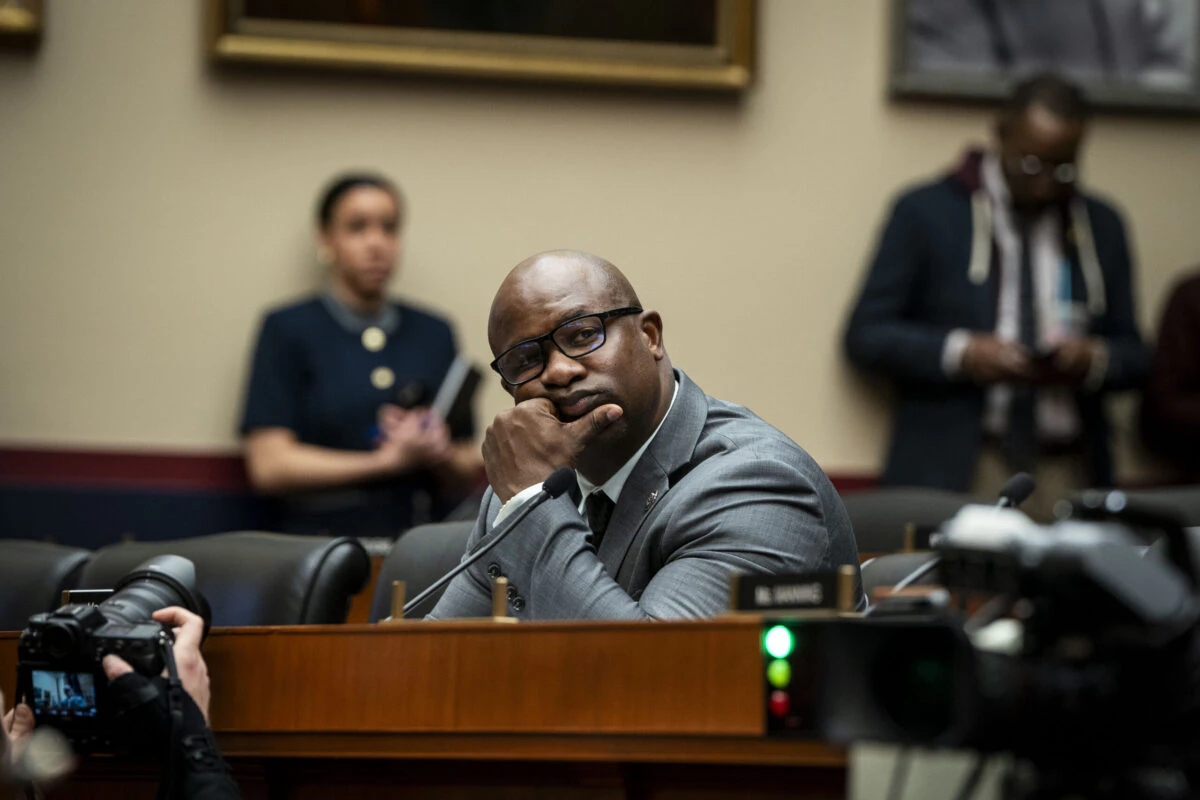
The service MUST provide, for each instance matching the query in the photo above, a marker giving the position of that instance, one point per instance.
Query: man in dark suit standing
(678, 491)
(1000, 302)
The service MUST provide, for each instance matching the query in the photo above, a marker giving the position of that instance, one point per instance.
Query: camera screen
(64, 695)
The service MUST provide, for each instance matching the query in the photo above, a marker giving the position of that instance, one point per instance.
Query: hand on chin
(526, 443)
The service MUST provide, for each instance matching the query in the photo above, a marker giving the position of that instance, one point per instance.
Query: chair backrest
(32, 578)
(420, 556)
(252, 578)
(879, 515)
(888, 570)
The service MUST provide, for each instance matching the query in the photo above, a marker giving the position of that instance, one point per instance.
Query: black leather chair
(420, 556)
(32, 578)
(889, 570)
(254, 578)
(880, 515)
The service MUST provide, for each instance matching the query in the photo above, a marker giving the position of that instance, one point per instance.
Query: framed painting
(1126, 54)
(688, 44)
(20, 21)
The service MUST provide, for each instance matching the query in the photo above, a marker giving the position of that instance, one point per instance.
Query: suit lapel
(649, 482)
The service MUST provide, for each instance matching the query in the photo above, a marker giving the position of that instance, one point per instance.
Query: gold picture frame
(725, 63)
(20, 21)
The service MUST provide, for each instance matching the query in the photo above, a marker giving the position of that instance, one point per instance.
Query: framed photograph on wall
(687, 44)
(20, 21)
(1127, 54)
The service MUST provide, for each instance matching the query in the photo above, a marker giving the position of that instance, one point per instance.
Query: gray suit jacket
(718, 492)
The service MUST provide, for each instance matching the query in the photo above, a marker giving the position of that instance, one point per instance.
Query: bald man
(677, 491)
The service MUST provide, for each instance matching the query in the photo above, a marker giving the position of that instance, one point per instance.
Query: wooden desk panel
(683, 678)
(609, 695)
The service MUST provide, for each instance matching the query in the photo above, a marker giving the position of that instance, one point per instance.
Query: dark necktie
(599, 511)
(1021, 441)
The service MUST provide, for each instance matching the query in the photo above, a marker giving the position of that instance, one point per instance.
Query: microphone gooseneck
(559, 482)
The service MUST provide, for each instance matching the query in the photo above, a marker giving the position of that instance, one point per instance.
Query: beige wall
(151, 207)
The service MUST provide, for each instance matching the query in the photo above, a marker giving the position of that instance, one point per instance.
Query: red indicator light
(780, 703)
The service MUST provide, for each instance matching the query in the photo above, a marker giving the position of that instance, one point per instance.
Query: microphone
(1016, 490)
(559, 482)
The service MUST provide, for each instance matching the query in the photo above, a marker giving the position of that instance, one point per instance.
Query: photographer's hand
(33, 760)
(17, 725)
(188, 629)
(193, 672)
(143, 711)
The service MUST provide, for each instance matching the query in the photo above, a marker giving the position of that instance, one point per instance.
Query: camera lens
(157, 583)
(914, 683)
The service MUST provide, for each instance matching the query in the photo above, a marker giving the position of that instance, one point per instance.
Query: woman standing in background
(328, 423)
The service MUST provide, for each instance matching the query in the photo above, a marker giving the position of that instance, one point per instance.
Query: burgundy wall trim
(847, 483)
(175, 470)
(126, 469)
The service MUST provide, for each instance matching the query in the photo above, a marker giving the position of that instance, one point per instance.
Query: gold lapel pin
(650, 500)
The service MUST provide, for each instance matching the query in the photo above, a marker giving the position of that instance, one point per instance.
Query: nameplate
(806, 592)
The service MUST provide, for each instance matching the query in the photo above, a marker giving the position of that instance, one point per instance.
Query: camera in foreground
(61, 653)
(1081, 662)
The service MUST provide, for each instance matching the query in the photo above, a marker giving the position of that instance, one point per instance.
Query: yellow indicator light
(779, 673)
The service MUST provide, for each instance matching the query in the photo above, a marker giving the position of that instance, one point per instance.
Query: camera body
(61, 674)
(81, 635)
(1086, 669)
(61, 653)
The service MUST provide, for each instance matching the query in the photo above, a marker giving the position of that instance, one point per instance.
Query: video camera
(1081, 661)
(61, 653)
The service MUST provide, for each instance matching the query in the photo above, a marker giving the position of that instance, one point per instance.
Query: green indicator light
(779, 673)
(779, 642)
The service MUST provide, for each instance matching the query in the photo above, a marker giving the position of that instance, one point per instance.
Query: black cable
(462, 566)
(899, 774)
(916, 574)
(560, 481)
(989, 612)
(972, 780)
(166, 789)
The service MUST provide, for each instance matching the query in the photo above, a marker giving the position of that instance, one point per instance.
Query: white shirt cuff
(952, 351)
(516, 501)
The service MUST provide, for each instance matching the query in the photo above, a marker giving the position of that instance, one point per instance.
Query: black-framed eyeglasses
(576, 337)
(1063, 172)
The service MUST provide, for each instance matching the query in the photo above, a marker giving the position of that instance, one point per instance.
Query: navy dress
(313, 374)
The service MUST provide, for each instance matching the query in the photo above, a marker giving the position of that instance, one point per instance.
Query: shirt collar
(387, 320)
(613, 486)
